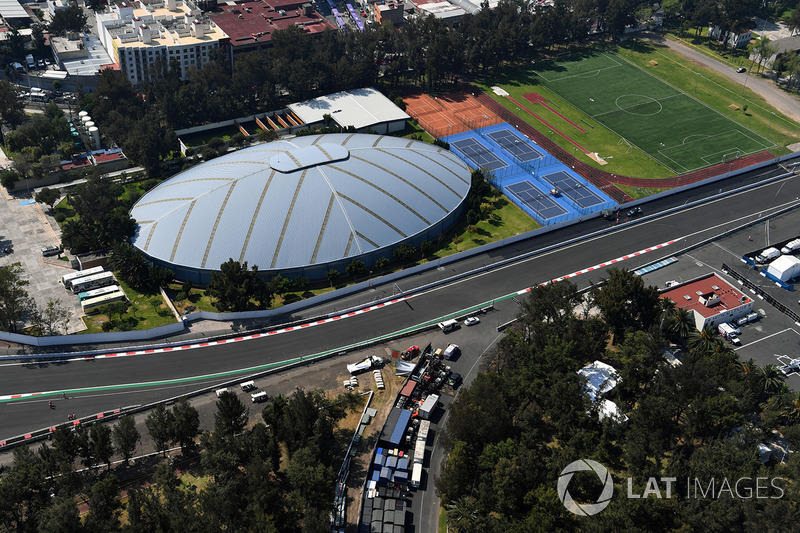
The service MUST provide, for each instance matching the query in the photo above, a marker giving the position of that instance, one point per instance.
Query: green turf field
(669, 125)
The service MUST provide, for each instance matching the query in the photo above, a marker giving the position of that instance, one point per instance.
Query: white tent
(607, 409)
(600, 378)
(785, 267)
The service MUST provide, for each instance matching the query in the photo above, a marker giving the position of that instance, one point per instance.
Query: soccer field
(669, 125)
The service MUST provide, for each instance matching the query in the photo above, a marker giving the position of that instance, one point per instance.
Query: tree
(115, 308)
(71, 19)
(11, 107)
(104, 505)
(126, 436)
(100, 442)
(61, 516)
(625, 302)
(793, 21)
(404, 253)
(280, 285)
(680, 323)
(773, 379)
(355, 269)
(332, 275)
(54, 318)
(159, 425)
(15, 304)
(702, 342)
(234, 285)
(186, 424)
(231, 416)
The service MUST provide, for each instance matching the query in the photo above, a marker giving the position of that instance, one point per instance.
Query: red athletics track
(555, 130)
(535, 98)
(606, 181)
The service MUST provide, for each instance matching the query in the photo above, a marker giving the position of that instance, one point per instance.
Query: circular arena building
(302, 206)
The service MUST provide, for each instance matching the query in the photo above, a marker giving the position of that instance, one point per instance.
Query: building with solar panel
(300, 207)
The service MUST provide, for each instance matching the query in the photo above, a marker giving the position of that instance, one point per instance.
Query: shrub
(149, 184)
(108, 326)
(60, 217)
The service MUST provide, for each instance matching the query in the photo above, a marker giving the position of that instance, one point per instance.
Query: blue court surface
(516, 146)
(478, 153)
(542, 204)
(572, 188)
(523, 170)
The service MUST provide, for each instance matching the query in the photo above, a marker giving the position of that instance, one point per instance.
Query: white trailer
(416, 475)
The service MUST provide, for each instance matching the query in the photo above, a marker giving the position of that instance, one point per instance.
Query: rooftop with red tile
(712, 289)
(255, 21)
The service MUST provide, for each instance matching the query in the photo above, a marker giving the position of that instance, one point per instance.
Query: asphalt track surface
(119, 377)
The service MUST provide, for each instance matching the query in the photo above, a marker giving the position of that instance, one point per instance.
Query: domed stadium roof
(306, 201)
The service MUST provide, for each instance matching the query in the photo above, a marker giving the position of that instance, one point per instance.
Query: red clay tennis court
(449, 114)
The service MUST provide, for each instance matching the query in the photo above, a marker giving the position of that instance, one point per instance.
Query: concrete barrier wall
(94, 338)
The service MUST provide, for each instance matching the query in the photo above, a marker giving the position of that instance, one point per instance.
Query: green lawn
(640, 192)
(702, 84)
(202, 138)
(507, 220)
(680, 132)
(148, 310)
(621, 159)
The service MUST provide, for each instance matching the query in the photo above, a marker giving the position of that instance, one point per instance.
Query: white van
(791, 247)
(247, 386)
(448, 325)
(219, 392)
(258, 397)
(767, 255)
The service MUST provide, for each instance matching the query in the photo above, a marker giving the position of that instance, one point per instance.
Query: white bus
(94, 293)
(93, 304)
(66, 279)
(94, 281)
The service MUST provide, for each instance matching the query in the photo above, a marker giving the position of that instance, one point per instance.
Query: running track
(606, 181)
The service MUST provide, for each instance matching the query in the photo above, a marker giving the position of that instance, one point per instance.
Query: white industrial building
(136, 35)
(712, 301)
(367, 110)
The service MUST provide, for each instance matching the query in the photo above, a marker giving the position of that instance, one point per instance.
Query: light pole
(744, 85)
(769, 127)
(696, 81)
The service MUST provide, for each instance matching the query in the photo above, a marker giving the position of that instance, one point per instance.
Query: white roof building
(136, 35)
(12, 9)
(600, 378)
(364, 109)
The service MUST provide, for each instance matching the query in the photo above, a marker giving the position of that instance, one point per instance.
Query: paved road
(124, 379)
(784, 102)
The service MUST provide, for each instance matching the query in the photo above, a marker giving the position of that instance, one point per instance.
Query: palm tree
(791, 409)
(681, 324)
(751, 370)
(773, 379)
(461, 514)
(702, 342)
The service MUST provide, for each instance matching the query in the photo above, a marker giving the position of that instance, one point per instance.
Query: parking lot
(775, 338)
(25, 230)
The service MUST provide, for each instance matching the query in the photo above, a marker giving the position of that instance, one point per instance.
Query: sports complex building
(300, 207)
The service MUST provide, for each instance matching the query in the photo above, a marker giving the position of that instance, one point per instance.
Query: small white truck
(767, 255)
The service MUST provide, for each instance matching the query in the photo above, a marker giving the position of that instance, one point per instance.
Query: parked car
(451, 351)
(47, 251)
(741, 69)
(471, 321)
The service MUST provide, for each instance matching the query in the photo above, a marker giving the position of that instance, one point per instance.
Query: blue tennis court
(573, 189)
(479, 154)
(513, 144)
(540, 203)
